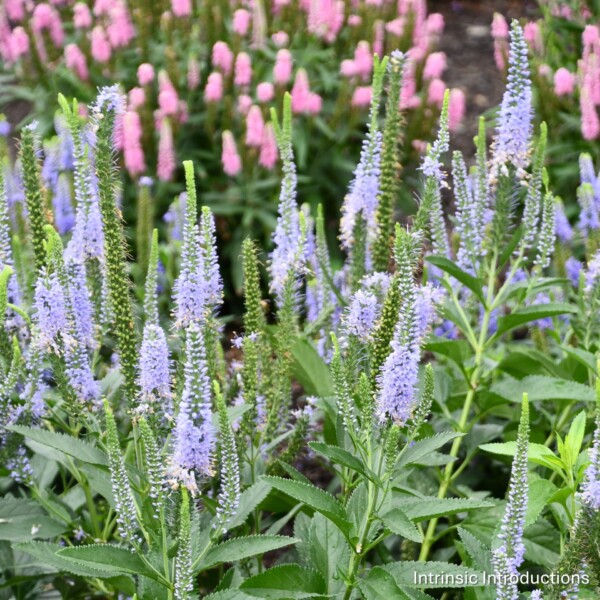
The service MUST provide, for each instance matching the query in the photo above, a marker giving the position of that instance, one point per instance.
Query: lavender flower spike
(154, 377)
(514, 128)
(591, 486)
(399, 374)
(194, 438)
(285, 257)
(432, 167)
(509, 554)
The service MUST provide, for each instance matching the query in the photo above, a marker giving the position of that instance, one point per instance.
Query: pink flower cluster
(586, 81)
(237, 89)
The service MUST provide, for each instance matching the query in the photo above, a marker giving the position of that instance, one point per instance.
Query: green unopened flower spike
(154, 467)
(145, 218)
(547, 236)
(229, 496)
(533, 198)
(125, 507)
(427, 398)
(342, 390)
(34, 196)
(184, 576)
(254, 323)
(108, 105)
(390, 164)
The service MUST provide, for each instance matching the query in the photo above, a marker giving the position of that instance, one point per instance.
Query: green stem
(447, 477)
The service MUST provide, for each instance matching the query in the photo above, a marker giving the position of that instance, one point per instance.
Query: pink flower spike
(396, 27)
(348, 68)
(243, 70)
(102, 7)
(354, 20)
(213, 92)
(314, 104)
(15, 10)
(499, 26)
(75, 61)
(168, 101)
(434, 66)
(82, 17)
(46, 18)
(435, 93)
(136, 98)
(590, 124)
(435, 24)
(265, 91)
(378, 37)
(145, 74)
(119, 30)
(222, 57)
(268, 148)
(133, 153)
(181, 8)
(533, 36)
(101, 50)
(282, 71)
(193, 73)
(232, 164)
(456, 108)
(564, 82)
(361, 98)
(244, 102)
(300, 92)
(591, 35)
(363, 60)
(254, 127)
(19, 43)
(241, 21)
(166, 153)
(280, 39)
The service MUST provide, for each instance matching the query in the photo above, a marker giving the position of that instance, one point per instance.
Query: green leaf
(397, 522)
(480, 554)
(46, 553)
(23, 520)
(249, 500)
(286, 581)
(574, 438)
(445, 264)
(540, 491)
(540, 540)
(329, 552)
(313, 497)
(457, 351)
(540, 387)
(380, 585)
(244, 547)
(310, 370)
(536, 453)
(587, 359)
(421, 448)
(103, 557)
(531, 313)
(343, 457)
(66, 444)
(433, 574)
(423, 509)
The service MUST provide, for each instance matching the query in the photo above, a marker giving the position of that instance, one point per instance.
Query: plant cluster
(565, 50)
(200, 78)
(360, 435)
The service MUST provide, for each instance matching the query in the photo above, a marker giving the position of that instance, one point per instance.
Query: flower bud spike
(390, 163)
(229, 495)
(184, 576)
(108, 105)
(509, 553)
(125, 506)
(33, 191)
